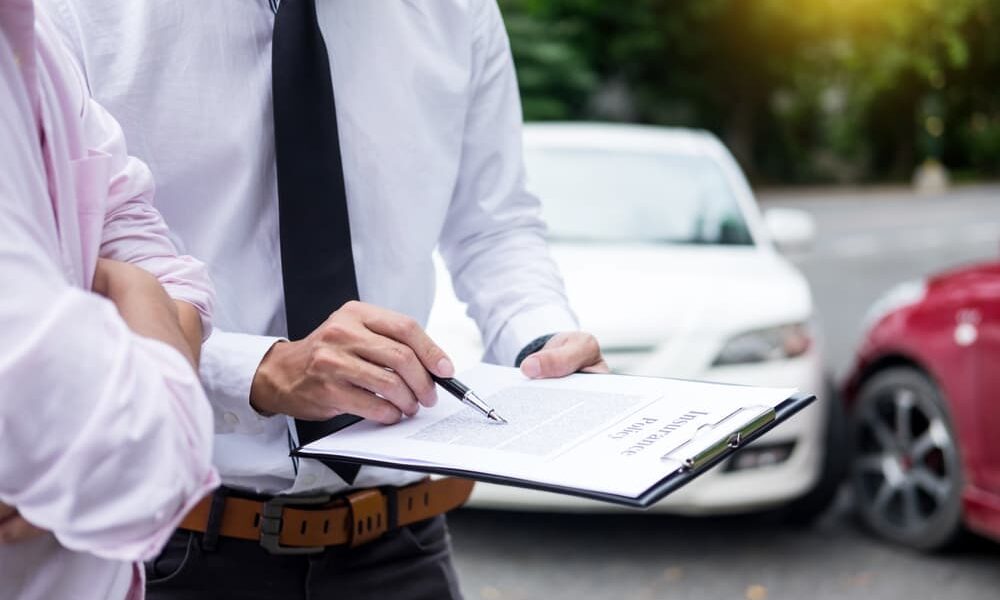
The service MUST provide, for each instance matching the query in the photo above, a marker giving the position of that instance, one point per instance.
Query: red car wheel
(906, 472)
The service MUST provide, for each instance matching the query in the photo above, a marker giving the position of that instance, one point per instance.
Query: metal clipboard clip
(703, 447)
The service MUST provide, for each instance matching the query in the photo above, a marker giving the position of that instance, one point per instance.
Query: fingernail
(445, 368)
(531, 367)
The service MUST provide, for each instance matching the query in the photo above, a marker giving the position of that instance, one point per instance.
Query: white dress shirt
(430, 129)
(105, 436)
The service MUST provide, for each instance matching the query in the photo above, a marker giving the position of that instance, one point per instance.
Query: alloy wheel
(905, 471)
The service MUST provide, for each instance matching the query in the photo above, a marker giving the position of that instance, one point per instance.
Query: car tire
(805, 509)
(906, 470)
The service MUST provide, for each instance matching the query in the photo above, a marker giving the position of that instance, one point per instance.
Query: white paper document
(602, 433)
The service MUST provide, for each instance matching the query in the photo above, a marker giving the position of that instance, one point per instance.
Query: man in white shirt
(428, 121)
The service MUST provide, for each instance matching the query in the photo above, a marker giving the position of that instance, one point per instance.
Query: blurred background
(853, 151)
(819, 91)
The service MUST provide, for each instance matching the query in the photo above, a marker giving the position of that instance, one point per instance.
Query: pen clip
(702, 448)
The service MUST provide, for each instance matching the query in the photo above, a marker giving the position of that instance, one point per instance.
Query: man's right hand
(363, 360)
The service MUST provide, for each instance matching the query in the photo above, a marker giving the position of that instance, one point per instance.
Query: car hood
(982, 278)
(634, 297)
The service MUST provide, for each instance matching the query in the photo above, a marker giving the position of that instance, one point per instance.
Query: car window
(606, 196)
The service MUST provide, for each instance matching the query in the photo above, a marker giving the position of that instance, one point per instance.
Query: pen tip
(493, 416)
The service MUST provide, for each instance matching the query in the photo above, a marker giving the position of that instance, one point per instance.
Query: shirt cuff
(527, 326)
(229, 362)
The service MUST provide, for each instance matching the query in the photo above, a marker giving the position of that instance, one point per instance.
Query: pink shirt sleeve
(134, 231)
(105, 437)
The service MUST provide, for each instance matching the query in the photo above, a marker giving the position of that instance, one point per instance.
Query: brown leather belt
(307, 524)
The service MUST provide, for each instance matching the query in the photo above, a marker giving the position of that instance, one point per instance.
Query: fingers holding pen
(386, 384)
(354, 400)
(408, 332)
(404, 364)
(348, 384)
(363, 360)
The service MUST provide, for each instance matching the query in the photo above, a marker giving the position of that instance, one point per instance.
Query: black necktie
(316, 261)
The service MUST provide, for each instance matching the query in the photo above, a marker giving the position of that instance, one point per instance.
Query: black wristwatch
(533, 346)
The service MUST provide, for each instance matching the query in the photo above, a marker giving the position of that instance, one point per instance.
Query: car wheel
(807, 508)
(906, 473)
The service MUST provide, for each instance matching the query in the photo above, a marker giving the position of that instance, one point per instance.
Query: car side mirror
(791, 229)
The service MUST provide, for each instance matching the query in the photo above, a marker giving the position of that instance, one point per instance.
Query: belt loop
(391, 494)
(210, 539)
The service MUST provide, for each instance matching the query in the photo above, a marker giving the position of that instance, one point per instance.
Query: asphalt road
(867, 241)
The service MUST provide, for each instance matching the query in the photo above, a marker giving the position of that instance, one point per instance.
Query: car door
(984, 319)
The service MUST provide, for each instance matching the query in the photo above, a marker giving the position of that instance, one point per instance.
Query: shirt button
(308, 480)
(160, 515)
(231, 418)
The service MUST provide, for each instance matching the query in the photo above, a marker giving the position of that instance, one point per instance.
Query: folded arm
(135, 232)
(107, 440)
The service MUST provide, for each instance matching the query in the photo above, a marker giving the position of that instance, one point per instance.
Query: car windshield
(605, 196)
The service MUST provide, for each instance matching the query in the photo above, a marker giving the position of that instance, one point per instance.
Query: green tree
(555, 78)
(799, 91)
(703, 63)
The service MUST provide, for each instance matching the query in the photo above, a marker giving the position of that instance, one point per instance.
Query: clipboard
(696, 455)
(698, 462)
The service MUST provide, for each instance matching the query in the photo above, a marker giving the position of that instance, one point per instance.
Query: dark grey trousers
(411, 563)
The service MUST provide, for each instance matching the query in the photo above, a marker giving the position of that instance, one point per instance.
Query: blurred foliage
(816, 90)
(554, 77)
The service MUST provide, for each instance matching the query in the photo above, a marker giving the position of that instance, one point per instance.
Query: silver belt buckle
(270, 523)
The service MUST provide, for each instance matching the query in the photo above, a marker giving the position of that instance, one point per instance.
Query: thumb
(558, 361)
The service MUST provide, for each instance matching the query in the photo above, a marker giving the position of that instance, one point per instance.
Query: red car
(924, 405)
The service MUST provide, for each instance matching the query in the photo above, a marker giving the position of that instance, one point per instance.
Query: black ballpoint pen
(459, 390)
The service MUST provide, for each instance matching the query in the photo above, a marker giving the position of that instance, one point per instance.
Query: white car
(668, 261)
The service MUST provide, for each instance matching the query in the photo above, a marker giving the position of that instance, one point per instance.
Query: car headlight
(772, 343)
(903, 294)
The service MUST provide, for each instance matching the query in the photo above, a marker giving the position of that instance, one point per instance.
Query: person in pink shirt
(105, 432)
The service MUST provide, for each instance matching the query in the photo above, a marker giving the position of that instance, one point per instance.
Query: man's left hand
(13, 527)
(567, 352)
